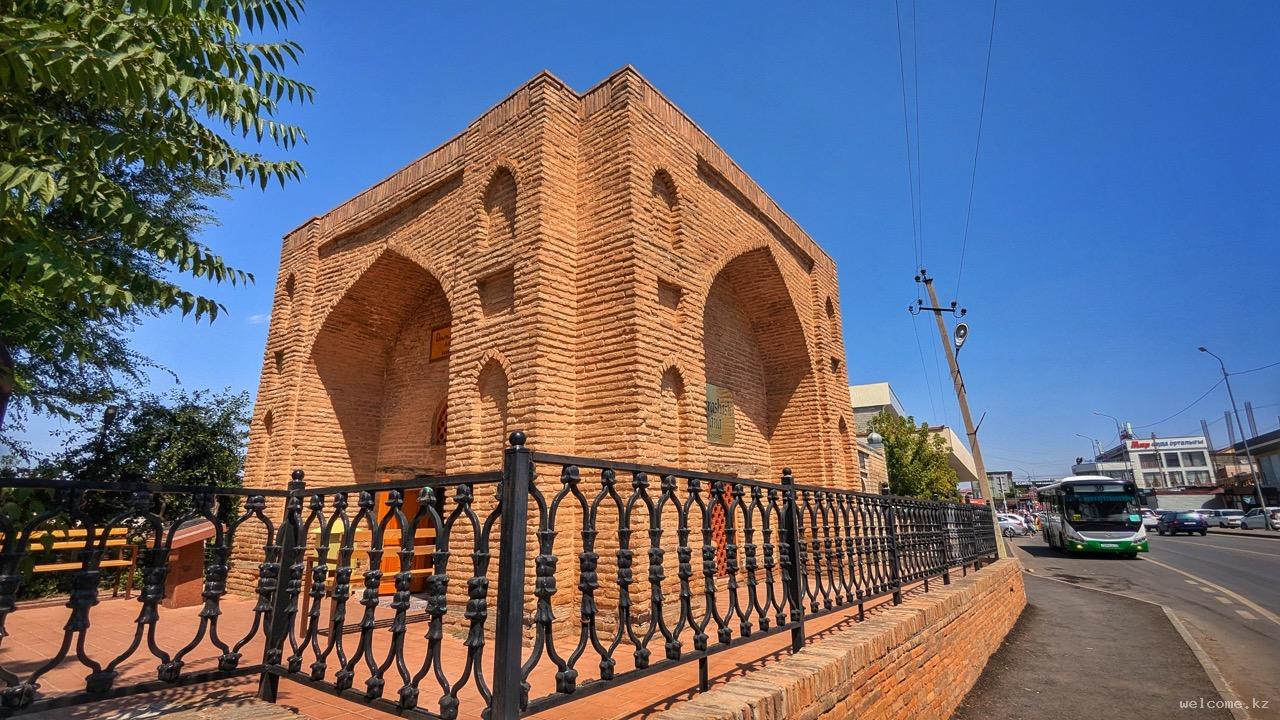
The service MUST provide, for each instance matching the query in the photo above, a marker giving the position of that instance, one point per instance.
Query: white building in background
(958, 457)
(869, 399)
(1155, 462)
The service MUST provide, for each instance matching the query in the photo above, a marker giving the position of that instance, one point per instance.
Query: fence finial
(517, 438)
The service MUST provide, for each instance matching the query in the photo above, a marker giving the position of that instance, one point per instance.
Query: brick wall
(917, 660)
(599, 261)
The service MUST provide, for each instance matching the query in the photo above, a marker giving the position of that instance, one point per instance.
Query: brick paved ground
(35, 636)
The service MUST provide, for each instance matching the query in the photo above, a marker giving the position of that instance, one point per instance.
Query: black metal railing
(76, 522)
(605, 572)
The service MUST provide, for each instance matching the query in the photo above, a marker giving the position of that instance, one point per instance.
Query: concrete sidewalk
(1080, 653)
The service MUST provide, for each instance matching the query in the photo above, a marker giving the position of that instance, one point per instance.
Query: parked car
(1149, 518)
(1254, 520)
(1011, 525)
(1229, 518)
(1172, 523)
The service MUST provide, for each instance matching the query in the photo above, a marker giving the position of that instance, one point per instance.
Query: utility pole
(1155, 448)
(1257, 485)
(962, 398)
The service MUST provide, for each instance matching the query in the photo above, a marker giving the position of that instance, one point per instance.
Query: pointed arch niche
(371, 371)
(673, 417)
(664, 211)
(754, 347)
(500, 208)
(494, 388)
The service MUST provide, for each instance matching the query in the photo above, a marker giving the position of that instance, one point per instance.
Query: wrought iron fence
(606, 572)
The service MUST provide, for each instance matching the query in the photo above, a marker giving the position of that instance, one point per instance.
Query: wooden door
(424, 544)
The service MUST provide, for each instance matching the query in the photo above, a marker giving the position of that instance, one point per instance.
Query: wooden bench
(55, 542)
(424, 544)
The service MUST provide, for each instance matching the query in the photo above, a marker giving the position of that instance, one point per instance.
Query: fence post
(287, 583)
(976, 550)
(944, 521)
(894, 566)
(517, 473)
(795, 579)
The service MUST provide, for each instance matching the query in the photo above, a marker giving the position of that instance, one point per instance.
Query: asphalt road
(1132, 660)
(1225, 589)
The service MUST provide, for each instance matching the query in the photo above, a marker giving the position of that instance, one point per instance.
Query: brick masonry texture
(917, 660)
(598, 261)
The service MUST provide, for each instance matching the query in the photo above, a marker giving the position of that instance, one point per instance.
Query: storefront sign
(719, 415)
(1186, 443)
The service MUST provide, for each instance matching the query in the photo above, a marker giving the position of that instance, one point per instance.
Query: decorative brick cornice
(448, 158)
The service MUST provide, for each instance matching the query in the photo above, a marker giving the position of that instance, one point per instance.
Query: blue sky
(1126, 207)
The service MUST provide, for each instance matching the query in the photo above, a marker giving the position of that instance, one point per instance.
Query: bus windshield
(1102, 508)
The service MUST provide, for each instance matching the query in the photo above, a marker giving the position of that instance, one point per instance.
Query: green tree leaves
(117, 119)
(916, 458)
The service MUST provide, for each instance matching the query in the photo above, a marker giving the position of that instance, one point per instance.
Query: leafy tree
(916, 458)
(117, 119)
(195, 438)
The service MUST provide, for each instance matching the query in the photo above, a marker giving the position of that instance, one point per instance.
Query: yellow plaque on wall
(439, 343)
(719, 415)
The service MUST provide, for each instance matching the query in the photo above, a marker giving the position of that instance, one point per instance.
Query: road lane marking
(1229, 593)
(1230, 549)
(1246, 615)
(1224, 601)
(1205, 589)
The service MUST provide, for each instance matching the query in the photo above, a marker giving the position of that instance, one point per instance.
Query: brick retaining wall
(917, 660)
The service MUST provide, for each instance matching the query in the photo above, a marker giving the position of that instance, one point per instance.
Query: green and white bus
(1091, 513)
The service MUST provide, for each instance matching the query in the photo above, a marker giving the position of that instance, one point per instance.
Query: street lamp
(1257, 484)
(1097, 446)
(1119, 425)
(1128, 464)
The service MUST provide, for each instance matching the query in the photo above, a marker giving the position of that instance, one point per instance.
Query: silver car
(1255, 520)
(1229, 518)
(1150, 519)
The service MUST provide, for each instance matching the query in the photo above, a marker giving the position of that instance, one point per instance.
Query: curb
(1210, 667)
(1270, 534)
(1232, 701)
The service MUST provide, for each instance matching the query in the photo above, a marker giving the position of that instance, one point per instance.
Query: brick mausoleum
(590, 268)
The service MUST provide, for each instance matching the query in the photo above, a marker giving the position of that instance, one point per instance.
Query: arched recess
(664, 211)
(494, 408)
(673, 420)
(373, 388)
(500, 208)
(755, 348)
(846, 465)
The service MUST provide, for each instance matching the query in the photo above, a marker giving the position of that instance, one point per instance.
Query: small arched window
(440, 428)
(664, 211)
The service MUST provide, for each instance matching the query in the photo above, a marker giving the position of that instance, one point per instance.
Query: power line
(1193, 404)
(946, 407)
(1264, 367)
(977, 145)
(915, 71)
(924, 370)
(906, 130)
